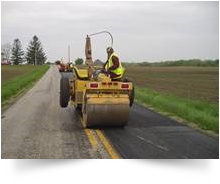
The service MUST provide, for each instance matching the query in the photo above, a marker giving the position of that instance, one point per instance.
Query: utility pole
(68, 53)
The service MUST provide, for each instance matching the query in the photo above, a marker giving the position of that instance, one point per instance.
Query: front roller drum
(105, 115)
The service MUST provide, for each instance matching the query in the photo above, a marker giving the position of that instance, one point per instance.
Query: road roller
(100, 100)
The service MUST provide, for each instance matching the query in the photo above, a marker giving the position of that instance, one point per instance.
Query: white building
(4, 60)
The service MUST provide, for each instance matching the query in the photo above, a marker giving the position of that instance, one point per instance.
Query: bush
(79, 61)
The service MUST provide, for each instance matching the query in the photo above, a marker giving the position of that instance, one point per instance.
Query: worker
(113, 66)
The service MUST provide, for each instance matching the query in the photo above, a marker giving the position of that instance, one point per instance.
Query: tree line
(182, 62)
(34, 54)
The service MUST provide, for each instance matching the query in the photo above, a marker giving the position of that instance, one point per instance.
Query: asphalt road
(36, 127)
(151, 135)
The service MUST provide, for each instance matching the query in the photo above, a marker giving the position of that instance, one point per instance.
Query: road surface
(151, 135)
(36, 127)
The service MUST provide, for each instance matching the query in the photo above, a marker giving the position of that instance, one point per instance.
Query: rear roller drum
(105, 115)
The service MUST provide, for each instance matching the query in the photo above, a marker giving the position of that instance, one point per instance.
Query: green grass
(14, 86)
(203, 114)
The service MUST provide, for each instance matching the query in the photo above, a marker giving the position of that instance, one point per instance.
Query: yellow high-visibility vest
(119, 71)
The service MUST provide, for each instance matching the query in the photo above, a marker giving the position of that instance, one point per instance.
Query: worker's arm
(105, 64)
(115, 61)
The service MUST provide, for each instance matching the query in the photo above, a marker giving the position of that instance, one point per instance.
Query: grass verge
(203, 114)
(14, 86)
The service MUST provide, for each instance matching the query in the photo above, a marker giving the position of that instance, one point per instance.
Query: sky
(142, 31)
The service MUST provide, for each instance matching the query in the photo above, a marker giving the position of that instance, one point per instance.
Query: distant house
(98, 62)
(2, 56)
(4, 60)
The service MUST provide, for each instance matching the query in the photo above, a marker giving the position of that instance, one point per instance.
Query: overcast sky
(142, 31)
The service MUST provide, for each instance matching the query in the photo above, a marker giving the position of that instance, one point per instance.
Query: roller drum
(106, 115)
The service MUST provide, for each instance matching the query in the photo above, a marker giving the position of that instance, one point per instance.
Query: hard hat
(109, 49)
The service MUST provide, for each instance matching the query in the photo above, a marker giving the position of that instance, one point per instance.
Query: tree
(79, 61)
(35, 54)
(17, 52)
(6, 52)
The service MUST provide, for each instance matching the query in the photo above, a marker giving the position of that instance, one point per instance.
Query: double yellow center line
(112, 153)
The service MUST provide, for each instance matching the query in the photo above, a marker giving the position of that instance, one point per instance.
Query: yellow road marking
(91, 138)
(103, 140)
(107, 145)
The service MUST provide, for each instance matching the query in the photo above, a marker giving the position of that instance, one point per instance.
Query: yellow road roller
(101, 100)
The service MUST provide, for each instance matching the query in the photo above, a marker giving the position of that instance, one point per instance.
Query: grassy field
(203, 114)
(197, 83)
(191, 93)
(12, 71)
(18, 78)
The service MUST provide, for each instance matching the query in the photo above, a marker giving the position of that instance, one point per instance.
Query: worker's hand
(108, 72)
(105, 72)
